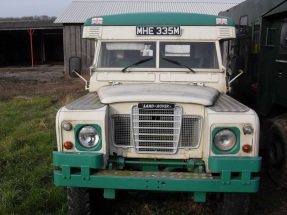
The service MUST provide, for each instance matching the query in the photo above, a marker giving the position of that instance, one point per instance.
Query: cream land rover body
(153, 101)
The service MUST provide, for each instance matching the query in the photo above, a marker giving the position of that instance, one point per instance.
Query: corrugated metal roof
(23, 25)
(79, 10)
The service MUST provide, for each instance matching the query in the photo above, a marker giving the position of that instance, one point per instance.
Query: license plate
(160, 30)
(156, 106)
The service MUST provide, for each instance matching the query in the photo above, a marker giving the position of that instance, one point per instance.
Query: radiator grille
(156, 131)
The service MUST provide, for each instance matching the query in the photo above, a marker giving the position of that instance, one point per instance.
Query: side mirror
(242, 32)
(75, 65)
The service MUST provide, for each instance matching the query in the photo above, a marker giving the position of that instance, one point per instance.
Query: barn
(78, 11)
(30, 41)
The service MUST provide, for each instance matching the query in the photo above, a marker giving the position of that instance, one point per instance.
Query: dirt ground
(47, 81)
(51, 82)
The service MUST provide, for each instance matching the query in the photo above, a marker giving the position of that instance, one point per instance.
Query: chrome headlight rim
(230, 148)
(83, 144)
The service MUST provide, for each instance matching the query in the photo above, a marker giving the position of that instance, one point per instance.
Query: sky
(20, 8)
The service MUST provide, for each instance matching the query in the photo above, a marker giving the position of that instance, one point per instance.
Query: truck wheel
(79, 201)
(232, 204)
(277, 153)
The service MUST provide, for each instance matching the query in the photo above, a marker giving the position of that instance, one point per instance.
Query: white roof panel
(80, 10)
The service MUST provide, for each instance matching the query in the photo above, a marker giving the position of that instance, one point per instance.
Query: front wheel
(277, 152)
(231, 204)
(80, 201)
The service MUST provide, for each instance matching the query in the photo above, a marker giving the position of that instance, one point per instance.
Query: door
(280, 75)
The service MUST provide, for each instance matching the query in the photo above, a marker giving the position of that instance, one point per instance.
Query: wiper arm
(137, 63)
(178, 63)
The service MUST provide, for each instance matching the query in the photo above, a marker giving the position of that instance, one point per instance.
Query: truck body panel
(260, 50)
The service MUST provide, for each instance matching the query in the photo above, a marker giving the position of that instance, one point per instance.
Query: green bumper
(80, 170)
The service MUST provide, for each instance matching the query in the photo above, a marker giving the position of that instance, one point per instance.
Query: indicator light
(247, 148)
(68, 145)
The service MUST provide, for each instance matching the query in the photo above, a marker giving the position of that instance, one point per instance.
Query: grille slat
(155, 128)
(153, 114)
(151, 134)
(157, 141)
(156, 131)
(149, 121)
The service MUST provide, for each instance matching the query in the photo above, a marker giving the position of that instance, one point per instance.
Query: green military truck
(260, 50)
(157, 117)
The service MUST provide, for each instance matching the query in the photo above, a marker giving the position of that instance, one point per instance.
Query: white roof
(80, 10)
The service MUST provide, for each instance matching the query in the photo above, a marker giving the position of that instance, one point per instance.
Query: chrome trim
(281, 61)
(156, 131)
(163, 135)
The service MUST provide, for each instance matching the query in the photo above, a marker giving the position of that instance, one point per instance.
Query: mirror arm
(87, 83)
(233, 79)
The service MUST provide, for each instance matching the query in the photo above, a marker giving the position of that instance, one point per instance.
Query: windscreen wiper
(137, 63)
(178, 63)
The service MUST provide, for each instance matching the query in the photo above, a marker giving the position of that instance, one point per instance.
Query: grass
(27, 139)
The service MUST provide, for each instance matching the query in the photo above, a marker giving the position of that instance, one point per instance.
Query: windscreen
(195, 55)
(123, 54)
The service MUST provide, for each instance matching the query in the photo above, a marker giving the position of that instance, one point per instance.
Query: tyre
(277, 152)
(79, 201)
(231, 204)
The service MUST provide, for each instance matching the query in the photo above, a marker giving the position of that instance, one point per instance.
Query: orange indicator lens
(247, 148)
(68, 145)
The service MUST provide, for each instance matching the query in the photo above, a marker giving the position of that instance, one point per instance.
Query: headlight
(88, 137)
(225, 139)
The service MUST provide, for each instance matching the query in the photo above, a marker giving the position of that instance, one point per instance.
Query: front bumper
(234, 174)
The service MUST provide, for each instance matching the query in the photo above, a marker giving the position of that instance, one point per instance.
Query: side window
(243, 26)
(256, 37)
(283, 37)
(270, 37)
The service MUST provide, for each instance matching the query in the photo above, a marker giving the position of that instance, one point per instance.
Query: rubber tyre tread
(278, 175)
(78, 201)
(233, 204)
